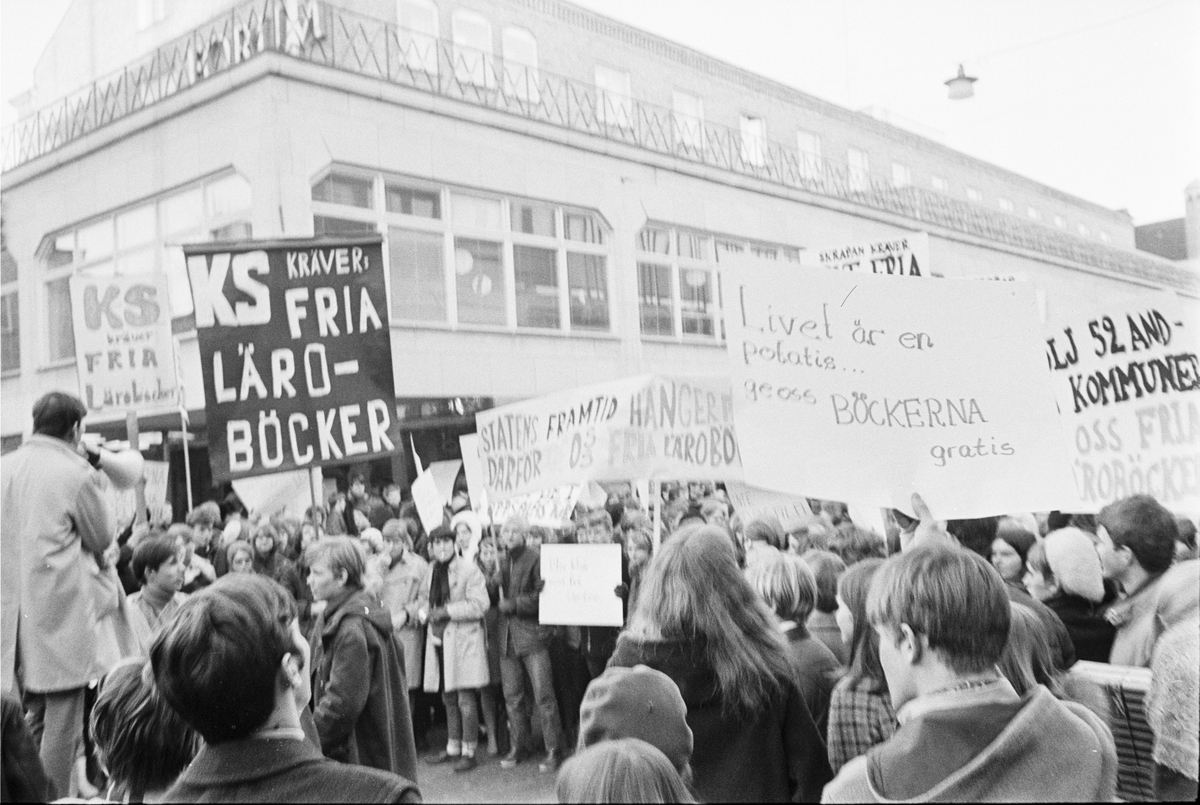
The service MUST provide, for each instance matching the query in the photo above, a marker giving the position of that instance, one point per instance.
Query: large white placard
(856, 387)
(581, 582)
(125, 356)
(287, 493)
(649, 426)
(547, 507)
(1126, 375)
(751, 502)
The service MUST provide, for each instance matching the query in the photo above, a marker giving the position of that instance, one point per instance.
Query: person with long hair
(700, 623)
(269, 561)
(860, 710)
(623, 770)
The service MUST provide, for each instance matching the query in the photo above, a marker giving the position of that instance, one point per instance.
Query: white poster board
(155, 473)
(125, 355)
(581, 582)
(430, 505)
(751, 502)
(904, 255)
(855, 387)
(650, 426)
(287, 493)
(548, 507)
(1127, 379)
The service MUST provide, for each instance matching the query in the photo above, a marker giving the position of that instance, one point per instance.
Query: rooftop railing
(325, 34)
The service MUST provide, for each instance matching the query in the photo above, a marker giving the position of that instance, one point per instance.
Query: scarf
(439, 585)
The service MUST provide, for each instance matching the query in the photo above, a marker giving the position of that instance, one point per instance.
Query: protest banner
(429, 502)
(287, 493)
(904, 255)
(295, 352)
(852, 387)
(751, 502)
(155, 473)
(649, 426)
(550, 507)
(1126, 375)
(580, 585)
(125, 355)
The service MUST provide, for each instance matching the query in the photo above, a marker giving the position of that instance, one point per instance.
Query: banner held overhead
(888, 388)
(296, 353)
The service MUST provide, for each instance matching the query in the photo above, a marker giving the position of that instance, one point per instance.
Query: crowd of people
(240, 657)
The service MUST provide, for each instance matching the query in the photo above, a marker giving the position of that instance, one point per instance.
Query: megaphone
(124, 469)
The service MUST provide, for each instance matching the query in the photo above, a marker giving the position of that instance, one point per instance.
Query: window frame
(481, 75)
(521, 80)
(12, 290)
(420, 52)
(858, 175)
(810, 161)
(621, 115)
(752, 146)
(687, 129)
(901, 175)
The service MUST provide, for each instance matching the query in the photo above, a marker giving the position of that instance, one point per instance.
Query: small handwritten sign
(581, 582)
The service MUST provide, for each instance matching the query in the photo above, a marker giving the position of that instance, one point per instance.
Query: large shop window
(468, 259)
(140, 239)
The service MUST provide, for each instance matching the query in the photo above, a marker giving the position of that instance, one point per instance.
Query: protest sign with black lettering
(904, 255)
(123, 343)
(750, 502)
(295, 353)
(650, 426)
(855, 387)
(550, 507)
(580, 585)
(1128, 384)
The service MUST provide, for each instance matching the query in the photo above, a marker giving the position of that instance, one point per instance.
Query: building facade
(556, 190)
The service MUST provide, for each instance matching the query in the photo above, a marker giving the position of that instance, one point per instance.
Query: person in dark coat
(22, 778)
(1064, 573)
(234, 666)
(523, 648)
(269, 562)
(360, 695)
(700, 623)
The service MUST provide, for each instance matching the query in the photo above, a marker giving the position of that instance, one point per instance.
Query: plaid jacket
(860, 717)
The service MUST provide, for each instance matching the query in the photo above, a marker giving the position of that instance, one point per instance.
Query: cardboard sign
(124, 353)
(854, 387)
(1128, 385)
(900, 256)
(548, 507)
(295, 353)
(429, 501)
(641, 427)
(581, 582)
(751, 502)
(155, 473)
(286, 493)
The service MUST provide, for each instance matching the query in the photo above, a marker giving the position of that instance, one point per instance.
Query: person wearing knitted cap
(638, 702)
(1063, 572)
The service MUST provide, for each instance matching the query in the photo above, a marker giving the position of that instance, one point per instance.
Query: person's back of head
(765, 528)
(56, 413)
(1027, 660)
(975, 534)
(624, 770)
(949, 602)
(141, 741)
(854, 543)
(827, 568)
(786, 585)
(1066, 559)
(638, 702)
(1144, 526)
(853, 587)
(694, 592)
(219, 661)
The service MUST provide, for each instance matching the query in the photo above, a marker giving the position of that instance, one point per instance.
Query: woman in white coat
(453, 602)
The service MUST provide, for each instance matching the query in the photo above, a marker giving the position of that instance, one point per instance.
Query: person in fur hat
(1063, 572)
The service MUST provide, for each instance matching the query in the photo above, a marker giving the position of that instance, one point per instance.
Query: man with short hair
(234, 665)
(1136, 541)
(942, 617)
(56, 519)
(523, 649)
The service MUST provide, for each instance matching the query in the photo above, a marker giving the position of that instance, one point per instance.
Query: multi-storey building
(556, 189)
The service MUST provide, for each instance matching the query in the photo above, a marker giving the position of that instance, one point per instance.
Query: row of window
(474, 64)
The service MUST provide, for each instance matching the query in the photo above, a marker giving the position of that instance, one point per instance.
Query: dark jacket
(360, 695)
(1061, 647)
(1090, 633)
(775, 756)
(22, 777)
(281, 569)
(520, 584)
(817, 671)
(282, 770)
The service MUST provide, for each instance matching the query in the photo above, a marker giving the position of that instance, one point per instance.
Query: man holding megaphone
(56, 517)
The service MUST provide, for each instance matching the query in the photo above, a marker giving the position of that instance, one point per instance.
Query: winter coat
(464, 642)
(282, 770)
(986, 745)
(401, 590)
(55, 517)
(777, 755)
(360, 696)
(1091, 634)
(521, 584)
(817, 671)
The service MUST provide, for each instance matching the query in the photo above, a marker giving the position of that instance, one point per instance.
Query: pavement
(487, 782)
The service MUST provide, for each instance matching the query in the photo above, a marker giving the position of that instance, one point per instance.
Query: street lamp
(960, 85)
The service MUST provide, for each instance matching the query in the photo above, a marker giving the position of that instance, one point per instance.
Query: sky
(1098, 98)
